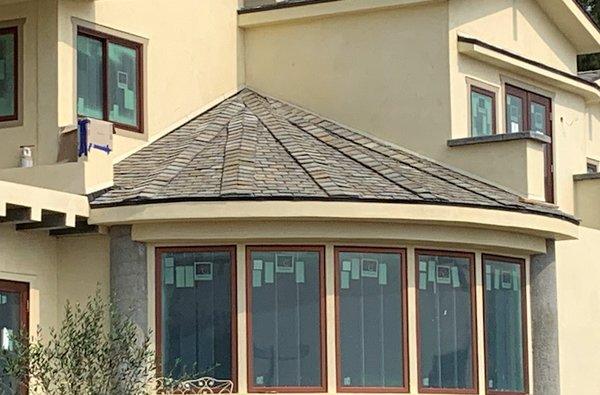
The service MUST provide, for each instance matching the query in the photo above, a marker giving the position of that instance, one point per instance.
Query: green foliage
(97, 351)
(591, 61)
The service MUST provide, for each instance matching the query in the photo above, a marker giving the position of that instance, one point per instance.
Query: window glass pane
(89, 77)
(285, 314)
(538, 117)
(196, 314)
(445, 322)
(370, 314)
(7, 75)
(122, 84)
(482, 107)
(10, 314)
(503, 325)
(514, 114)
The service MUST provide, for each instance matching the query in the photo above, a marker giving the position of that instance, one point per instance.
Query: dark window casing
(14, 32)
(474, 388)
(521, 263)
(492, 96)
(592, 168)
(160, 252)
(105, 39)
(252, 388)
(404, 324)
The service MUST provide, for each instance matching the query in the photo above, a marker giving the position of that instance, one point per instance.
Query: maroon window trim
(527, 98)
(521, 263)
(158, 302)
(491, 95)
(105, 39)
(14, 31)
(403, 282)
(474, 370)
(323, 341)
(23, 290)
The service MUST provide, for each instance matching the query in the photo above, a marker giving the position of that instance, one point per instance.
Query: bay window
(505, 324)
(371, 319)
(286, 324)
(196, 311)
(9, 74)
(109, 79)
(445, 323)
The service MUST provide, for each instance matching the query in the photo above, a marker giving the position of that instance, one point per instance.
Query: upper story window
(286, 328)
(526, 111)
(196, 333)
(371, 320)
(9, 60)
(483, 112)
(592, 167)
(505, 324)
(109, 79)
(445, 324)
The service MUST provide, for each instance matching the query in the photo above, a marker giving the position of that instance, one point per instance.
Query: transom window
(196, 306)
(286, 325)
(505, 324)
(483, 112)
(9, 60)
(371, 319)
(445, 324)
(109, 79)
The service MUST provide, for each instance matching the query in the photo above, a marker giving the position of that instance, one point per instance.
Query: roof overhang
(426, 214)
(575, 23)
(529, 68)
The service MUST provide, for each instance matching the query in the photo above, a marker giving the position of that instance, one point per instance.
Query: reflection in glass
(10, 318)
(7, 75)
(538, 118)
(370, 314)
(122, 84)
(196, 314)
(514, 114)
(481, 114)
(285, 314)
(445, 322)
(503, 325)
(89, 77)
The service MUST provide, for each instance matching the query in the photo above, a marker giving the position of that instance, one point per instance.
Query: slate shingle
(251, 146)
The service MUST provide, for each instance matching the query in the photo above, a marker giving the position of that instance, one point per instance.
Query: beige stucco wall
(385, 72)
(579, 312)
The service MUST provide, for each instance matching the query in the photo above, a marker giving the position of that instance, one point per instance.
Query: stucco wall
(578, 269)
(384, 72)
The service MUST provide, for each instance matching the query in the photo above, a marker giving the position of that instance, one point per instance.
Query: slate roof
(255, 147)
(591, 75)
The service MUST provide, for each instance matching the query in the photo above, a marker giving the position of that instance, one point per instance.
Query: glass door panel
(13, 319)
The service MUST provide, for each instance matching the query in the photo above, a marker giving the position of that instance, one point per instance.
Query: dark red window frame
(160, 251)
(404, 335)
(323, 329)
(474, 366)
(14, 31)
(527, 98)
(105, 39)
(521, 263)
(490, 94)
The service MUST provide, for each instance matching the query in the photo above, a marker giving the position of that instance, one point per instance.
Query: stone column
(544, 322)
(129, 275)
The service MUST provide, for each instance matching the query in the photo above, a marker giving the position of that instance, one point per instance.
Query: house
(327, 196)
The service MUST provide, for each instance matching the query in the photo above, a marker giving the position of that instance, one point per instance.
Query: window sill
(494, 138)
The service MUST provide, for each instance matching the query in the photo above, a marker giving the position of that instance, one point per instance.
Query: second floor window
(8, 73)
(109, 79)
(483, 112)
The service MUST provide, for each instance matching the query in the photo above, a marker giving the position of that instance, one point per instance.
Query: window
(109, 79)
(196, 312)
(446, 321)
(9, 66)
(592, 167)
(14, 317)
(483, 112)
(286, 322)
(505, 325)
(371, 319)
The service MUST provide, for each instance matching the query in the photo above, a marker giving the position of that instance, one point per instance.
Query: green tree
(591, 61)
(96, 351)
